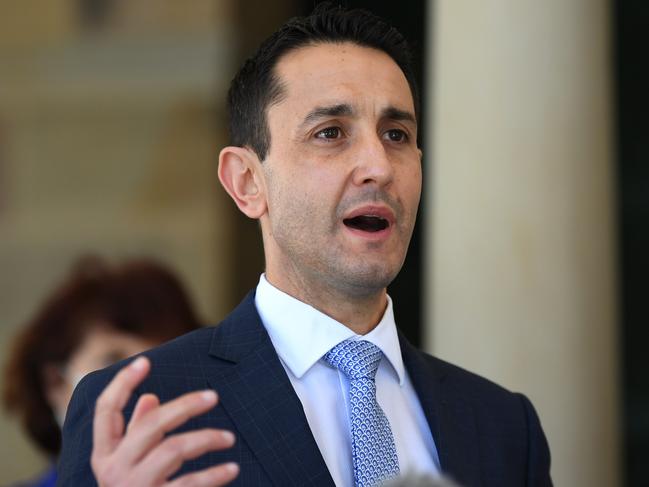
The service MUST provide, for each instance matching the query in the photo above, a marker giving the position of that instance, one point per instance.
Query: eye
(329, 133)
(396, 135)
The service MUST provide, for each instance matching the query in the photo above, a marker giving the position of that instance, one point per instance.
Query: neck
(360, 313)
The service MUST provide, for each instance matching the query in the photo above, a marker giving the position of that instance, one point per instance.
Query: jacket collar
(451, 418)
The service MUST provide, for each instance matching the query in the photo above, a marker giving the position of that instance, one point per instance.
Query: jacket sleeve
(74, 462)
(538, 451)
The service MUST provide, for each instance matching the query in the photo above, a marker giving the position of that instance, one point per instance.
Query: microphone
(418, 480)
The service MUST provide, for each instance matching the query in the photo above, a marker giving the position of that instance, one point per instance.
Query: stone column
(520, 252)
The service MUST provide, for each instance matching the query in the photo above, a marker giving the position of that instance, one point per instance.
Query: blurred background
(529, 263)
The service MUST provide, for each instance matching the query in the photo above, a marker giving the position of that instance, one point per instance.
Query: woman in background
(100, 314)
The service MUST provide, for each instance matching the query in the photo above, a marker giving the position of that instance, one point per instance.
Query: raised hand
(141, 454)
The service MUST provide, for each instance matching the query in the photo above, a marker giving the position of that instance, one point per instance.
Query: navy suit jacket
(485, 435)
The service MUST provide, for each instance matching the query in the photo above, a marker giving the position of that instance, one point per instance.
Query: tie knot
(355, 358)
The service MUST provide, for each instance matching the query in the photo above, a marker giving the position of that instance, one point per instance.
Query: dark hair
(256, 86)
(139, 297)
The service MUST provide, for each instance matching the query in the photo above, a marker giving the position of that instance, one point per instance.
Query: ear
(241, 176)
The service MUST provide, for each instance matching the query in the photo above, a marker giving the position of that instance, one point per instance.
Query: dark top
(485, 435)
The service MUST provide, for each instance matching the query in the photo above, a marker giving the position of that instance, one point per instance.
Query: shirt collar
(302, 335)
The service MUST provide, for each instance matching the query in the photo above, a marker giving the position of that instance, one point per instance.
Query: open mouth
(367, 223)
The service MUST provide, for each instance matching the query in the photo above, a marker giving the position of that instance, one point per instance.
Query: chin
(366, 281)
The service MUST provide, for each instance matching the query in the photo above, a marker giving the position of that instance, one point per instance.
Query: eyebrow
(339, 110)
(346, 110)
(393, 113)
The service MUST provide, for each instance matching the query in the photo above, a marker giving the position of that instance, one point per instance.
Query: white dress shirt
(302, 335)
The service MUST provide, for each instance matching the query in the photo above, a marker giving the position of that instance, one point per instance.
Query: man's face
(343, 174)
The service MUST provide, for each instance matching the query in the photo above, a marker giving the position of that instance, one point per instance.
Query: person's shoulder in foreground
(485, 434)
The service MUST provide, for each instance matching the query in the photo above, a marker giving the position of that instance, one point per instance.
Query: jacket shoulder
(506, 430)
(172, 358)
(426, 369)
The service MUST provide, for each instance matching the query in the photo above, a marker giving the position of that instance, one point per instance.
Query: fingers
(212, 477)
(146, 403)
(108, 425)
(143, 455)
(169, 455)
(150, 428)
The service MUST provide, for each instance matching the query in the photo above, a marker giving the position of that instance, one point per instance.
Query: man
(315, 385)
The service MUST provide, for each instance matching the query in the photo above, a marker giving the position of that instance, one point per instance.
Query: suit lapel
(450, 418)
(258, 396)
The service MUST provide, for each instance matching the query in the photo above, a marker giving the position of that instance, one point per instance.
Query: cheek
(307, 189)
(416, 190)
(409, 185)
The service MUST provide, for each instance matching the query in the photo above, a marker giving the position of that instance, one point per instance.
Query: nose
(373, 164)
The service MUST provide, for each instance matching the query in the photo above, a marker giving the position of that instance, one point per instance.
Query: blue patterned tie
(373, 451)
